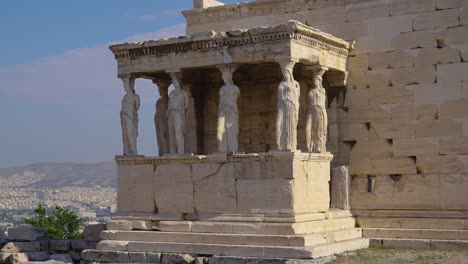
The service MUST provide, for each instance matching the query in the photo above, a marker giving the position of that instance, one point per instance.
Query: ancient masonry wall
(403, 126)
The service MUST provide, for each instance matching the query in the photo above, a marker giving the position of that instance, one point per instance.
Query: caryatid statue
(288, 110)
(317, 120)
(129, 117)
(191, 139)
(176, 114)
(160, 117)
(228, 113)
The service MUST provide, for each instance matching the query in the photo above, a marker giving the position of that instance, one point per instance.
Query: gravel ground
(401, 256)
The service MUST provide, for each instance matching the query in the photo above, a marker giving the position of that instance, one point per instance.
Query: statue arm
(137, 102)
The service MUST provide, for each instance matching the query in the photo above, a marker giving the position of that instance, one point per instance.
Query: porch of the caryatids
(317, 119)
(287, 117)
(129, 117)
(228, 112)
(160, 117)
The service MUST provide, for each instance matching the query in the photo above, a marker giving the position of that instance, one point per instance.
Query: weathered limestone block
(214, 192)
(442, 164)
(411, 112)
(446, 4)
(359, 131)
(414, 147)
(465, 90)
(392, 95)
(105, 256)
(360, 166)
(415, 39)
(438, 128)
(17, 258)
(433, 56)
(264, 170)
(135, 189)
(65, 258)
(119, 225)
(358, 97)
(390, 60)
(453, 36)
(265, 196)
(435, 20)
(137, 257)
(80, 245)
(38, 256)
(112, 245)
(408, 190)
(93, 232)
(453, 191)
(393, 165)
(454, 109)
(402, 76)
(449, 73)
(367, 10)
(393, 130)
(400, 7)
(358, 67)
(455, 145)
(177, 259)
(25, 233)
(311, 194)
(153, 257)
(173, 189)
(175, 226)
(436, 93)
(326, 15)
(370, 113)
(18, 247)
(60, 245)
(340, 188)
(372, 194)
(372, 148)
(464, 17)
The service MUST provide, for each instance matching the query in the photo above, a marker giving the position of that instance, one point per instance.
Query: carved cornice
(292, 31)
(223, 158)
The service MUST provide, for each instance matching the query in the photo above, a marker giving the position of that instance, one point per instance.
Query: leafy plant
(59, 224)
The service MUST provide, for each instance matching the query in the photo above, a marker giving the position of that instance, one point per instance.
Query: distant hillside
(56, 175)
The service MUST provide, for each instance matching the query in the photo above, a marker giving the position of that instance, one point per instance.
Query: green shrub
(60, 224)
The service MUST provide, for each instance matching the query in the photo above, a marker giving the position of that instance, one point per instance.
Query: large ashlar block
(465, 90)
(326, 16)
(464, 17)
(438, 128)
(400, 7)
(443, 164)
(383, 30)
(408, 190)
(454, 109)
(433, 56)
(358, 97)
(393, 130)
(448, 73)
(402, 76)
(135, 189)
(446, 4)
(375, 193)
(368, 113)
(453, 191)
(453, 36)
(437, 19)
(173, 188)
(411, 112)
(214, 192)
(360, 166)
(372, 148)
(436, 93)
(392, 95)
(367, 10)
(454, 145)
(358, 67)
(414, 39)
(391, 60)
(414, 147)
(392, 165)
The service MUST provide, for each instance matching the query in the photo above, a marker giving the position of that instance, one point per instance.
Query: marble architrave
(228, 113)
(288, 109)
(160, 117)
(129, 117)
(177, 114)
(317, 119)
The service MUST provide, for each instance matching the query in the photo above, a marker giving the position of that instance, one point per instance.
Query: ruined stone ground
(402, 256)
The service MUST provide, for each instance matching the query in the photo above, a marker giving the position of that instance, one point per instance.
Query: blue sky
(59, 95)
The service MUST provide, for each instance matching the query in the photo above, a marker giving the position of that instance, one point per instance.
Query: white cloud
(79, 76)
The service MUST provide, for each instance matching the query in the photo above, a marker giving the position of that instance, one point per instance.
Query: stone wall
(404, 120)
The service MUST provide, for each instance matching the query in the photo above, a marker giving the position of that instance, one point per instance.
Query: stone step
(230, 239)
(435, 244)
(316, 251)
(258, 228)
(415, 223)
(444, 234)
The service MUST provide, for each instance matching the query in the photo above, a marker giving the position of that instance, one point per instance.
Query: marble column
(176, 115)
(317, 119)
(160, 117)
(228, 112)
(129, 117)
(288, 109)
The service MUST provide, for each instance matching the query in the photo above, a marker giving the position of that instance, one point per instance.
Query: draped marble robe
(228, 114)
(129, 118)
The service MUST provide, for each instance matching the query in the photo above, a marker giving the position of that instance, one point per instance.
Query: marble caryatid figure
(228, 113)
(160, 117)
(317, 120)
(129, 117)
(190, 134)
(176, 115)
(288, 110)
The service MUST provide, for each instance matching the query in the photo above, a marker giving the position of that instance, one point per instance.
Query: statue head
(226, 74)
(318, 81)
(288, 73)
(129, 84)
